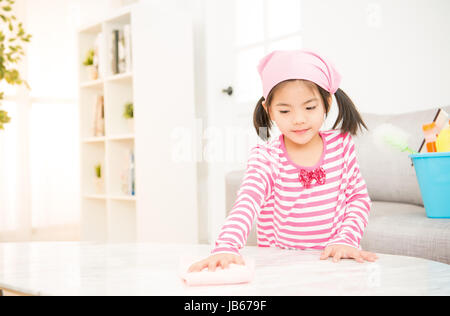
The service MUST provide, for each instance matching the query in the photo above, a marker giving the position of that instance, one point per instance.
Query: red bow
(306, 177)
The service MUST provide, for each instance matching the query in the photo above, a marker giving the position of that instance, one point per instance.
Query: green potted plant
(128, 114)
(11, 52)
(89, 63)
(99, 181)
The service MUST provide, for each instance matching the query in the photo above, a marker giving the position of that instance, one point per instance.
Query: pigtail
(262, 121)
(348, 114)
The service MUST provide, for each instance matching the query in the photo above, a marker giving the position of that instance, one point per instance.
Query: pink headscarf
(279, 66)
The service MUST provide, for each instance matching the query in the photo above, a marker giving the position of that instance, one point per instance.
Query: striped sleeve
(255, 189)
(358, 203)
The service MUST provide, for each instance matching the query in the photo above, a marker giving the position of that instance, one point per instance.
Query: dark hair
(348, 114)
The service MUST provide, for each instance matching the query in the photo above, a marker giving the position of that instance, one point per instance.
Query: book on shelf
(128, 54)
(120, 54)
(132, 182)
(99, 116)
(115, 52)
(129, 174)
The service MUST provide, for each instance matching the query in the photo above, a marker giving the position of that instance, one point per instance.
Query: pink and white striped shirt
(290, 215)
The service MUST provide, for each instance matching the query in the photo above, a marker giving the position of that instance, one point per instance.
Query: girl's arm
(358, 204)
(255, 189)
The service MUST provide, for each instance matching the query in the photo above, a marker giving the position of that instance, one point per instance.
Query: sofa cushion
(404, 229)
(389, 174)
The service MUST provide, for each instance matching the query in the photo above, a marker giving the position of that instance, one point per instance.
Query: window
(261, 27)
(39, 151)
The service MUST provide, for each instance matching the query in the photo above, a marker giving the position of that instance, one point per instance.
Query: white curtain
(11, 176)
(39, 159)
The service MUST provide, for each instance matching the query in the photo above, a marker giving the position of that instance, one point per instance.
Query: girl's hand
(346, 252)
(222, 259)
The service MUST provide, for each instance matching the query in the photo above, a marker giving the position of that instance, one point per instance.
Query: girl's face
(298, 110)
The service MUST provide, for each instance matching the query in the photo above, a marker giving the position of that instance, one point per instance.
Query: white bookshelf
(161, 87)
(108, 215)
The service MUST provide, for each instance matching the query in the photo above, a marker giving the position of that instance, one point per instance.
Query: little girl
(304, 187)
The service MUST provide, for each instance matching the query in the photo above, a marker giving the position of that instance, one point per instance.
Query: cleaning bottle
(430, 137)
(443, 140)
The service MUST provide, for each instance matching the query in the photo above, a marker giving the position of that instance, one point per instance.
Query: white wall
(197, 10)
(393, 54)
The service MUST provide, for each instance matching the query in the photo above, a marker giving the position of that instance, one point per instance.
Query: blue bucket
(433, 175)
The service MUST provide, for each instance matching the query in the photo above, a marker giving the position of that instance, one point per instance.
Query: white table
(152, 269)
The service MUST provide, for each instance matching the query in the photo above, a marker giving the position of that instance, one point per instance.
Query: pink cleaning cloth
(234, 274)
(281, 65)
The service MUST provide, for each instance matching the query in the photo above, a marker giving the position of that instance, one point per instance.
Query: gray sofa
(398, 223)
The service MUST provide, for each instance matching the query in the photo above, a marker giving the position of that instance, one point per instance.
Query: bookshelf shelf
(95, 197)
(110, 197)
(121, 137)
(92, 140)
(120, 77)
(92, 84)
(123, 198)
(91, 28)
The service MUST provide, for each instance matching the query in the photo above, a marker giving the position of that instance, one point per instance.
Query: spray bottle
(430, 132)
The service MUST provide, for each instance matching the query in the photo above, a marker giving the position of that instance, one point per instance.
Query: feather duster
(388, 135)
